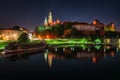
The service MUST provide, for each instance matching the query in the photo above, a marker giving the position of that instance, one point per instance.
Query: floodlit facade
(85, 28)
(10, 34)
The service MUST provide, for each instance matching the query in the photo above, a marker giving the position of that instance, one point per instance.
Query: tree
(39, 29)
(16, 28)
(75, 33)
(24, 38)
(67, 25)
(58, 30)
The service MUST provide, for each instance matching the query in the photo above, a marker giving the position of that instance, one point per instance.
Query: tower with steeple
(46, 22)
(50, 19)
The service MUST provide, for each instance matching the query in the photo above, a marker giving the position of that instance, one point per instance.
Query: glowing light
(104, 50)
(117, 49)
(108, 40)
(83, 40)
(39, 37)
(58, 21)
(3, 34)
(3, 53)
(119, 46)
(48, 37)
(97, 47)
(45, 56)
(98, 41)
(30, 36)
(56, 49)
(105, 55)
(73, 49)
(88, 49)
(119, 41)
(50, 57)
(112, 54)
(63, 49)
(108, 47)
(83, 46)
(5, 38)
(94, 59)
(94, 22)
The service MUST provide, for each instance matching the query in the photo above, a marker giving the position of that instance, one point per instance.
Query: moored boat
(15, 48)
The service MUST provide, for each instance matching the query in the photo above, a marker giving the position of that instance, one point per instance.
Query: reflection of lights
(50, 57)
(83, 48)
(88, 49)
(105, 55)
(94, 59)
(97, 47)
(45, 55)
(46, 50)
(119, 46)
(108, 47)
(104, 50)
(117, 49)
(112, 54)
(119, 41)
(97, 41)
(72, 49)
(56, 49)
(108, 40)
(63, 49)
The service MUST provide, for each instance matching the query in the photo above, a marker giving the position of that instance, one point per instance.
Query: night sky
(30, 13)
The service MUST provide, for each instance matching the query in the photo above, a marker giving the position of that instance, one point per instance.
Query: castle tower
(50, 19)
(46, 22)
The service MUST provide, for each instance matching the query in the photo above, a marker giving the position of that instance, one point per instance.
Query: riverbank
(71, 41)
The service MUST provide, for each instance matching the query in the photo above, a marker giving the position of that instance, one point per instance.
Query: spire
(45, 22)
(50, 19)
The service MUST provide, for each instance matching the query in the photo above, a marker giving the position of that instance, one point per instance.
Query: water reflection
(84, 52)
(93, 53)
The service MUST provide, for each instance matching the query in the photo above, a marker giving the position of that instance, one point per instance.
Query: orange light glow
(94, 59)
(94, 22)
(48, 37)
(39, 37)
(112, 54)
(50, 57)
(58, 21)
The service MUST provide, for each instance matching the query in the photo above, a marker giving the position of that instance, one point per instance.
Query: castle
(49, 21)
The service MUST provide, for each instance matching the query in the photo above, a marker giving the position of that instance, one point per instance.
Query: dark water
(61, 63)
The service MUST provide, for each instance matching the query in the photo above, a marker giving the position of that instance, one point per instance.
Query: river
(64, 62)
